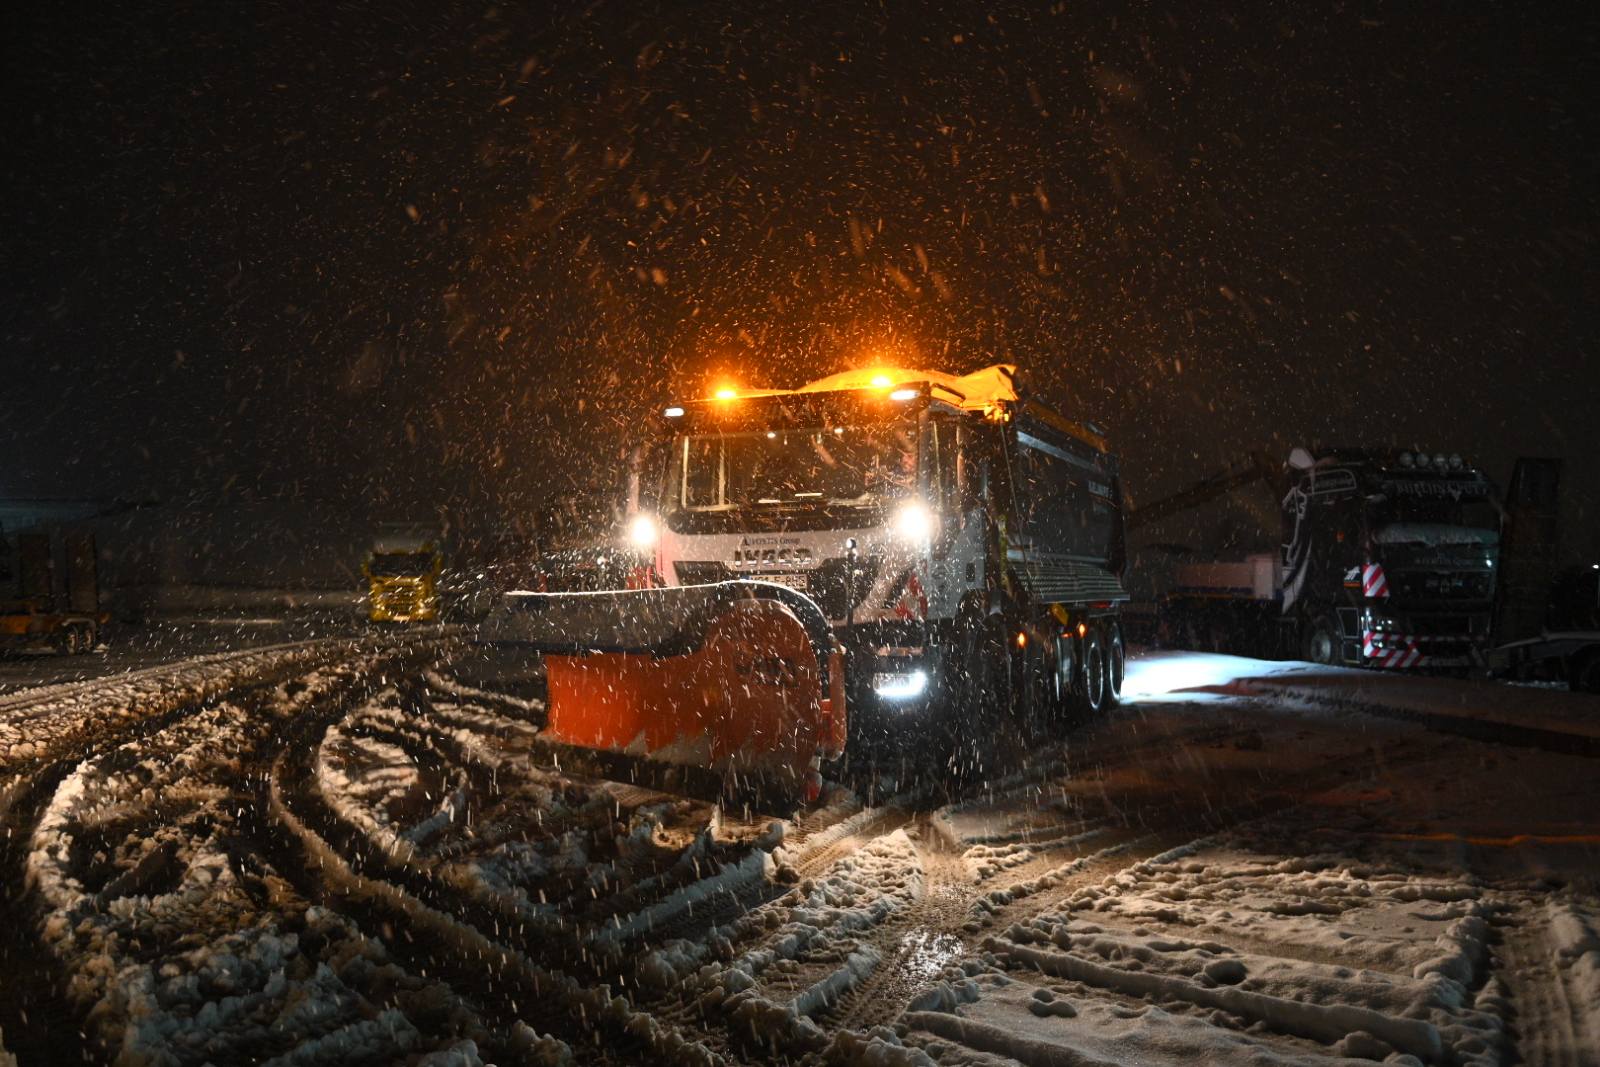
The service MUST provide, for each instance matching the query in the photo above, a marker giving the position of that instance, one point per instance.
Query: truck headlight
(914, 522)
(642, 531)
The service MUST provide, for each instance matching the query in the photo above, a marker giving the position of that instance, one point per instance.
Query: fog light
(902, 685)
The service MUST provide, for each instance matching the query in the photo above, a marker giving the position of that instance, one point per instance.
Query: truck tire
(1030, 664)
(1090, 688)
(1063, 664)
(1321, 643)
(1116, 664)
(65, 640)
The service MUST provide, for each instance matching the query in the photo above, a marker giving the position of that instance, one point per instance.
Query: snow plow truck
(876, 562)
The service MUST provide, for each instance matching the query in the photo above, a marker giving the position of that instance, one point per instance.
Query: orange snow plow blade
(743, 679)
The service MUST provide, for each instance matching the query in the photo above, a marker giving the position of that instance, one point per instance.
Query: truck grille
(1436, 585)
(825, 583)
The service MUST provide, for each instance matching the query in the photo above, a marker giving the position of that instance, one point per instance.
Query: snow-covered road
(344, 852)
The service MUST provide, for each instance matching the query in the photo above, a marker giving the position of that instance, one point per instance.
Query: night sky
(391, 258)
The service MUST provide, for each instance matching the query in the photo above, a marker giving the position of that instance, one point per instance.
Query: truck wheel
(66, 640)
(1029, 678)
(1584, 674)
(1063, 669)
(1322, 643)
(1091, 680)
(1116, 664)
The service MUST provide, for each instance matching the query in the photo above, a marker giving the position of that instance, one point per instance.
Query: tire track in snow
(445, 932)
(914, 945)
(1551, 1028)
(163, 791)
(39, 1020)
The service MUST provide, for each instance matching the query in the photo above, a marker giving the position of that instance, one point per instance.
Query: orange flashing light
(726, 393)
(881, 381)
(1022, 639)
(1083, 629)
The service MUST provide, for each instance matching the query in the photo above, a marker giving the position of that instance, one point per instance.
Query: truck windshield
(400, 564)
(841, 465)
(1436, 520)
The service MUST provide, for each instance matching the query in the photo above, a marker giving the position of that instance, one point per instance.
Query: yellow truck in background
(49, 590)
(402, 574)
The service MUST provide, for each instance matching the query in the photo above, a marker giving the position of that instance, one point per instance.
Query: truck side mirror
(1301, 460)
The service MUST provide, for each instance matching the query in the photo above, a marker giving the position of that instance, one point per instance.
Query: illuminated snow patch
(1192, 677)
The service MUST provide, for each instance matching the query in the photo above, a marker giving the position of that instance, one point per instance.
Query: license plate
(800, 583)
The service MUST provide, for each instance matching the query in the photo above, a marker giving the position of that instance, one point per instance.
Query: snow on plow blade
(743, 679)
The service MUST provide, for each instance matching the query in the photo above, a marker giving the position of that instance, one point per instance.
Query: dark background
(389, 259)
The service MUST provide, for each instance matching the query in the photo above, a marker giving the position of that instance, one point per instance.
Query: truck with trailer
(949, 548)
(49, 589)
(1389, 559)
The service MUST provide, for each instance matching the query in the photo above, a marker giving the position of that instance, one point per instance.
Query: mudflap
(742, 681)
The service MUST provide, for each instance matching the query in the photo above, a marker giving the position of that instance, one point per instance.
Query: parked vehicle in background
(1567, 648)
(49, 590)
(1547, 620)
(580, 546)
(1389, 559)
(402, 572)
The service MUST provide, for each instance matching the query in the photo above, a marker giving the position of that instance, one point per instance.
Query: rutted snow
(1352, 956)
(183, 945)
(54, 721)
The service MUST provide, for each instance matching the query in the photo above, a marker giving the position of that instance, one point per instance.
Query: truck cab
(402, 573)
(1390, 558)
(915, 508)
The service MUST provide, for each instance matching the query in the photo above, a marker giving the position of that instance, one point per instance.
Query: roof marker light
(881, 381)
(903, 394)
(673, 413)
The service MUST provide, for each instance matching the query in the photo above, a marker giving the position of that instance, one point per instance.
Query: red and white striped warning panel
(1373, 583)
(1385, 649)
(913, 602)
